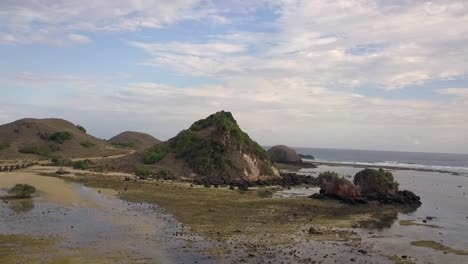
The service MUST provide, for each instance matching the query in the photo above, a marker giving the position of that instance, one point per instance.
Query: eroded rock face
(283, 154)
(335, 186)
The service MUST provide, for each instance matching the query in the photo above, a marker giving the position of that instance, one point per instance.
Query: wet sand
(81, 219)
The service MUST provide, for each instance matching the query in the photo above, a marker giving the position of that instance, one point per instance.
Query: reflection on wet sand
(90, 222)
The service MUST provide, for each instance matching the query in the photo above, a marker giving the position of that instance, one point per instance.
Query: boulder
(369, 185)
(283, 154)
(376, 182)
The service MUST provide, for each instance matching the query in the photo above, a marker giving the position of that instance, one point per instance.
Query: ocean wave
(396, 165)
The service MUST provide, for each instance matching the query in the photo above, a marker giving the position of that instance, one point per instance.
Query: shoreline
(389, 167)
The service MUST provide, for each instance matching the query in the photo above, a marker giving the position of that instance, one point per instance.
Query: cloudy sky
(362, 74)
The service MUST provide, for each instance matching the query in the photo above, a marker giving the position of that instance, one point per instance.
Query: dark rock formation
(283, 154)
(376, 182)
(369, 185)
(306, 156)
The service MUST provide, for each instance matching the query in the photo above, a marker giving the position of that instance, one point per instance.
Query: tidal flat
(111, 220)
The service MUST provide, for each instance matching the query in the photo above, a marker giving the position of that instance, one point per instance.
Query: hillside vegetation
(134, 140)
(213, 150)
(46, 138)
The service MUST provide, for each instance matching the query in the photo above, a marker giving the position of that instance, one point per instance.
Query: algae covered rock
(369, 185)
(376, 182)
(283, 154)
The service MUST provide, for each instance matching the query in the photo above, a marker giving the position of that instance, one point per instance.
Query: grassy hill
(213, 150)
(44, 138)
(133, 140)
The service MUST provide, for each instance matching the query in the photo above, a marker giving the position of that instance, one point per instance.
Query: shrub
(60, 161)
(22, 190)
(81, 128)
(60, 137)
(155, 154)
(83, 164)
(87, 144)
(45, 151)
(143, 172)
(4, 145)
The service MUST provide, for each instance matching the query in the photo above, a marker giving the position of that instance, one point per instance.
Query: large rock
(283, 154)
(376, 182)
(335, 186)
(369, 185)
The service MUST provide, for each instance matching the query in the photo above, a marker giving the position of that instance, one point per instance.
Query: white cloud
(77, 38)
(30, 21)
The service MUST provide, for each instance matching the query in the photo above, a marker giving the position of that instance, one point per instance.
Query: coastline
(387, 166)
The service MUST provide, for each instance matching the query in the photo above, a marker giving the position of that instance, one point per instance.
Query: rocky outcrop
(369, 185)
(283, 154)
(306, 156)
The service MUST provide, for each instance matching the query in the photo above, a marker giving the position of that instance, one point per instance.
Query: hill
(134, 140)
(213, 150)
(44, 138)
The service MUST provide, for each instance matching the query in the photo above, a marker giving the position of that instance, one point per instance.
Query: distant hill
(213, 150)
(45, 138)
(134, 140)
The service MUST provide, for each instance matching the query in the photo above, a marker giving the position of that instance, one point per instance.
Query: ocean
(455, 163)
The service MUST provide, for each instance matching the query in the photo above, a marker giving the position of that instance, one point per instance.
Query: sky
(359, 74)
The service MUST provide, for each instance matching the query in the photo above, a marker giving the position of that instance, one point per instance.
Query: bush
(83, 164)
(4, 145)
(87, 144)
(143, 172)
(22, 191)
(60, 137)
(81, 128)
(155, 154)
(60, 161)
(45, 151)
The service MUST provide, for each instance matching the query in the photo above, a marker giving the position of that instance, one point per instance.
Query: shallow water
(444, 196)
(96, 222)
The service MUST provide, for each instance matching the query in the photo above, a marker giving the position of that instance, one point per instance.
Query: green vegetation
(209, 145)
(386, 179)
(4, 145)
(60, 137)
(45, 151)
(83, 164)
(146, 172)
(87, 144)
(81, 128)
(438, 246)
(155, 154)
(22, 191)
(332, 176)
(225, 124)
(61, 161)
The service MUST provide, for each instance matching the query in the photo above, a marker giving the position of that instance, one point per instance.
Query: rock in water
(369, 185)
(379, 185)
(283, 154)
(376, 182)
(333, 185)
